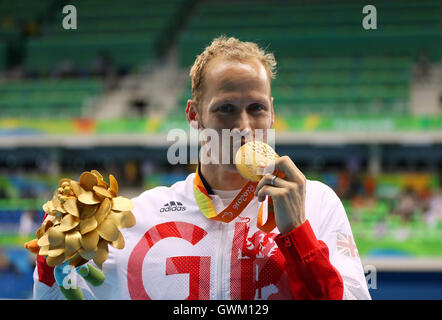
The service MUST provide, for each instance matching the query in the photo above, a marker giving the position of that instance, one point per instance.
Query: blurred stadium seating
(129, 32)
(39, 98)
(359, 110)
(327, 63)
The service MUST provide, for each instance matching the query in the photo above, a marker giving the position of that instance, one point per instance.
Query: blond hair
(231, 49)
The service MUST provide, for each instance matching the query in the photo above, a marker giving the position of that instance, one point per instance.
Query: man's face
(236, 96)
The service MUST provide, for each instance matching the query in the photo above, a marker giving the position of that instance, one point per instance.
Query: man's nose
(244, 125)
(244, 121)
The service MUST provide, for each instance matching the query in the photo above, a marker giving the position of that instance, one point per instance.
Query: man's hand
(288, 193)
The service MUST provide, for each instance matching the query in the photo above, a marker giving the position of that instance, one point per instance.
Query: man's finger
(267, 190)
(267, 180)
(288, 167)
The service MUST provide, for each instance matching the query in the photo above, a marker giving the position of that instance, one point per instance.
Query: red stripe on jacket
(311, 274)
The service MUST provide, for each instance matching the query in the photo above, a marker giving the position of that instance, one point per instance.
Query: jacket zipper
(220, 262)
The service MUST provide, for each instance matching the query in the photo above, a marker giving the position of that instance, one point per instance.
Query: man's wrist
(298, 242)
(285, 227)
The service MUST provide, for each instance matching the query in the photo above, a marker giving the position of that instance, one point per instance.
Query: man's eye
(226, 108)
(256, 107)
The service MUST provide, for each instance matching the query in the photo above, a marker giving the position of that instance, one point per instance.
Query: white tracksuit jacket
(175, 252)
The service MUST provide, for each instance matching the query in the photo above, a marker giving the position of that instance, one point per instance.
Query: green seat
(49, 98)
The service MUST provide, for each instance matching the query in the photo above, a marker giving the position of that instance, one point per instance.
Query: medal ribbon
(238, 204)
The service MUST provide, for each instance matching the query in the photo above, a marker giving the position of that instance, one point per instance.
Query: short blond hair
(232, 49)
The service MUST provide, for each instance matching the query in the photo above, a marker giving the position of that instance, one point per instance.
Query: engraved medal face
(252, 158)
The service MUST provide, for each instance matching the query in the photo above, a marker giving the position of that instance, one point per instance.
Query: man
(180, 247)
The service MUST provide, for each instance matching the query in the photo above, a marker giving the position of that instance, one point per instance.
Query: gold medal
(252, 158)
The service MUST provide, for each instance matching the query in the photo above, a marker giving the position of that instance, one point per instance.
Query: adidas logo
(173, 206)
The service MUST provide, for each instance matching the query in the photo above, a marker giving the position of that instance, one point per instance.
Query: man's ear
(192, 114)
(272, 111)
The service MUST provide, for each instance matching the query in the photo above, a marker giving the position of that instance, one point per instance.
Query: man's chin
(230, 167)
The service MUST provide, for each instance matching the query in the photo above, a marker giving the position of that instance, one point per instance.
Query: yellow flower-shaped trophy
(82, 219)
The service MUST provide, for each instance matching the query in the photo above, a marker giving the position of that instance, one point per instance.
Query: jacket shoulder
(319, 189)
(180, 189)
(323, 206)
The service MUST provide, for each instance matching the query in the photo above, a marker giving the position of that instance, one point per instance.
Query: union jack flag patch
(346, 245)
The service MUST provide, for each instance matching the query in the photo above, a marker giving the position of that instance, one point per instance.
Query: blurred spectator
(381, 229)
(440, 102)
(147, 168)
(3, 194)
(356, 186)
(369, 185)
(361, 203)
(31, 28)
(132, 174)
(64, 69)
(27, 193)
(343, 185)
(5, 265)
(138, 107)
(7, 22)
(423, 67)
(349, 185)
(407, 204)
(434, 211)
(103, 65)
(27, 223)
